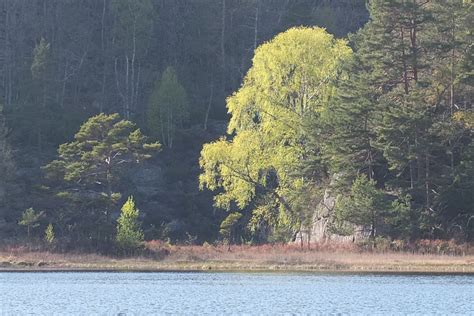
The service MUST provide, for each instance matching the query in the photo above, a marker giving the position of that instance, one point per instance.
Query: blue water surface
(124, 293)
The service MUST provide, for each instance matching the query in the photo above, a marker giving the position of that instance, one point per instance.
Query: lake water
(232, 293)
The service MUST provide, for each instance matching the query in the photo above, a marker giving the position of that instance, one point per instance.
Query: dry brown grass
(262, 258)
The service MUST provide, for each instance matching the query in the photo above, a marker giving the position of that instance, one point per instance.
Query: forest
(235, 121)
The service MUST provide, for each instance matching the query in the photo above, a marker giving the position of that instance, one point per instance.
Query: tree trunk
(104, 57)
(412, 171)
(451, 90)
(223, 59)
(301, 236)
(414, 48)
(405, 70)
(372, 230)
(209, 105)
(255, 39)
(109, 193)
(427, 181)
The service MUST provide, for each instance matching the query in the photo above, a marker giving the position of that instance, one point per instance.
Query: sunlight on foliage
(291, 78)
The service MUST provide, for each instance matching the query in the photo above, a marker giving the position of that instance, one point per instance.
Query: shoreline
(194, 259)
(249, 271)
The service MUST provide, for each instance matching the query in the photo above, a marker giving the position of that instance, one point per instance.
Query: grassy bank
(241, 258)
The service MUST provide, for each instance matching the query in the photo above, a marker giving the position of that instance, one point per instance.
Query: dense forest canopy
(367, 105)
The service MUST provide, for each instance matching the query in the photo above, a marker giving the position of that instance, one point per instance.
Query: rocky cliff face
(319, 231)
(167, 190)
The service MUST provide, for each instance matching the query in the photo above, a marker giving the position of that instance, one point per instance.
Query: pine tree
(393, 33)
(129, 234)
(349, 130)
(364, 206)
(413, 49)
(90, 169)
(348, 127)
(451, 50)
(30, 219)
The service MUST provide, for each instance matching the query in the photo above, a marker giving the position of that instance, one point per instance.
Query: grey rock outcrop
(319, 231)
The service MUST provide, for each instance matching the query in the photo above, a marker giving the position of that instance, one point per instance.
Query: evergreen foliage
(400, 115)
(91, 167)
(365, 205)
(30, 219)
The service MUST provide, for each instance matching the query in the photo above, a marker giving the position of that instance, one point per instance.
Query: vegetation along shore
(267, 258)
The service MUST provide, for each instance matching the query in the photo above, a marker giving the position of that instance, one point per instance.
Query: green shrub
(129, 234)
(49, 235)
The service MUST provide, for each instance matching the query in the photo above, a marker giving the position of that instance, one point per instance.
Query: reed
(163, 257)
